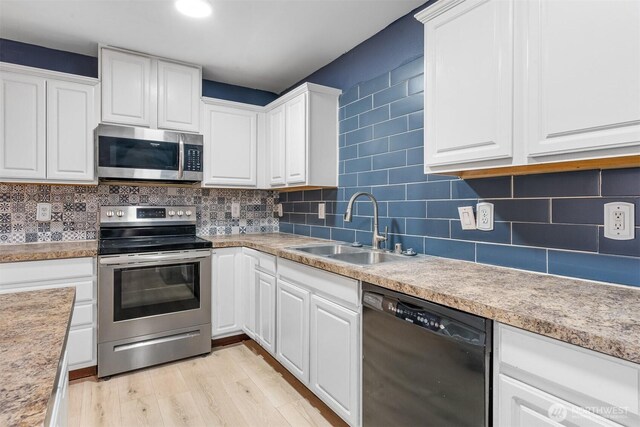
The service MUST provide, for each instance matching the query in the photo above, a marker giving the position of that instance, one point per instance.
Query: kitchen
(427, 218)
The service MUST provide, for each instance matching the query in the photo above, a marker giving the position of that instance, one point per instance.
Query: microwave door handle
(181, 156)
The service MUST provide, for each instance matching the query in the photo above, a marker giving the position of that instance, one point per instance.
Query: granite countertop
(597, 316)
(53, 250)
(33, 331)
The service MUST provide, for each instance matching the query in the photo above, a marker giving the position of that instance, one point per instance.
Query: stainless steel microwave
(126, 152)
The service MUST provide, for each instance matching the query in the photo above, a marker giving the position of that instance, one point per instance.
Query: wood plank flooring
(233, 386)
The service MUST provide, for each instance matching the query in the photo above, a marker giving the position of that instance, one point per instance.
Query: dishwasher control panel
(404, 311)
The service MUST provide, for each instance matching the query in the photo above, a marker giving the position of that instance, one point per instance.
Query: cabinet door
(276, 146)
(225, 294)
(334, 357)
(230, 138)
(126, 88)
(249, 293)
(520, 405)
(70, 125)
(266, 314)
(81, 346)
(179, 89)
(584, 78)
(22, 126)
(469, 83)
(296, 139)
(293, 329)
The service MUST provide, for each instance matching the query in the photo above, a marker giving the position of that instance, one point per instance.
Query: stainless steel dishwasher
(423, 364)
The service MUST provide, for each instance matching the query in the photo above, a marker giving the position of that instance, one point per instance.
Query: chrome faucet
(377, 238)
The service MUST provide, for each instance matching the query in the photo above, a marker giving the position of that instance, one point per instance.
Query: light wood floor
(233, 386)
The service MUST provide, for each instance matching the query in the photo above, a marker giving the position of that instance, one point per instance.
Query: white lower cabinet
(293, 329)
(539, 381)
(266, 311)
(334, 354)
(226, 295)
(77, 272)
(319, 334)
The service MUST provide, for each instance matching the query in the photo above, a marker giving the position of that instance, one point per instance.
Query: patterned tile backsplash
(74, 209)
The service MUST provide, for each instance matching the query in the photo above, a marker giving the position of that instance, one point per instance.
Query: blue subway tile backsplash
(550, 223)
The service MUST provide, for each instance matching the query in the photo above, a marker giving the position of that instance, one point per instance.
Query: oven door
(141, 294)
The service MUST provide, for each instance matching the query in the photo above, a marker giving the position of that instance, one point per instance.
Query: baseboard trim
(315, 401)
(89, 371)
(234, 339)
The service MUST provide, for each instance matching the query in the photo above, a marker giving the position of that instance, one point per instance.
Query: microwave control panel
(193, 158)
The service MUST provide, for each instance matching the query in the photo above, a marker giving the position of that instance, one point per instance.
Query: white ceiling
(263, 44)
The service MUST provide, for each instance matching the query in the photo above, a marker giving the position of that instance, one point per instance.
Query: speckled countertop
(33, 331)
(598, 316)
(54, 250)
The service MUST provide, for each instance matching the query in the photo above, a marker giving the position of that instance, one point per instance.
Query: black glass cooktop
(128, 240)
(151, 244)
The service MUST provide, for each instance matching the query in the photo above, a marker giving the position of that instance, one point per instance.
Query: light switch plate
(485, 216)
(467, 219)
(235, 210)
(322, 210)
(619, 221)
(279, 210)
(43, 211)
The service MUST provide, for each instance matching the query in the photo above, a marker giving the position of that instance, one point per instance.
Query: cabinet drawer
(334, 287)
(83, 314)
(84, 289)
(597, 377)
(523, 405)
(45, 271)
(266, 262)
(81, 347)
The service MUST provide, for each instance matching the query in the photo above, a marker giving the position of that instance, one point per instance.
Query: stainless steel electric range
(154, 287)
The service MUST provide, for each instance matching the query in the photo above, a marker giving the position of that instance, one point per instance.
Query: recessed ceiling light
(194, 8)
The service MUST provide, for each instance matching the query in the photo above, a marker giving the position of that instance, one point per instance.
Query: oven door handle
(137, 259)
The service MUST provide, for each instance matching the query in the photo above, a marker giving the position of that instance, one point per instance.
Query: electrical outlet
(43, 211)
(485, 216)
(619, 221)
(279, 210)
(322, 210)
(467, 219)
(235, 210)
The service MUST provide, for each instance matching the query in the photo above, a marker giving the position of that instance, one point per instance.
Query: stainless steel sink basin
(350, 254)
(327, 250)
(367, 257)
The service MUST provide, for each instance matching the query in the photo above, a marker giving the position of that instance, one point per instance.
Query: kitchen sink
(352, 255)
(367, 257)
(327, 250)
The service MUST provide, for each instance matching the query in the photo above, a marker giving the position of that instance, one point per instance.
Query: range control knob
(180, 213)
(188, 213)
(109, 214)
(171, 213)
(120, 213)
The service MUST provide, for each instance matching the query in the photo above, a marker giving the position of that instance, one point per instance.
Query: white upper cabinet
(518, 83)
(296, 139)
(142, 90)
(276, 140)
(47, 119)
(70, 125)
(302, 138)
(126, 88)
(179, 88)
(469, 90)
(230, 146)
(584, 75)
(22, 126)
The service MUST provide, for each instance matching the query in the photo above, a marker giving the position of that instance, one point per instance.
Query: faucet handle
(386, 233)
